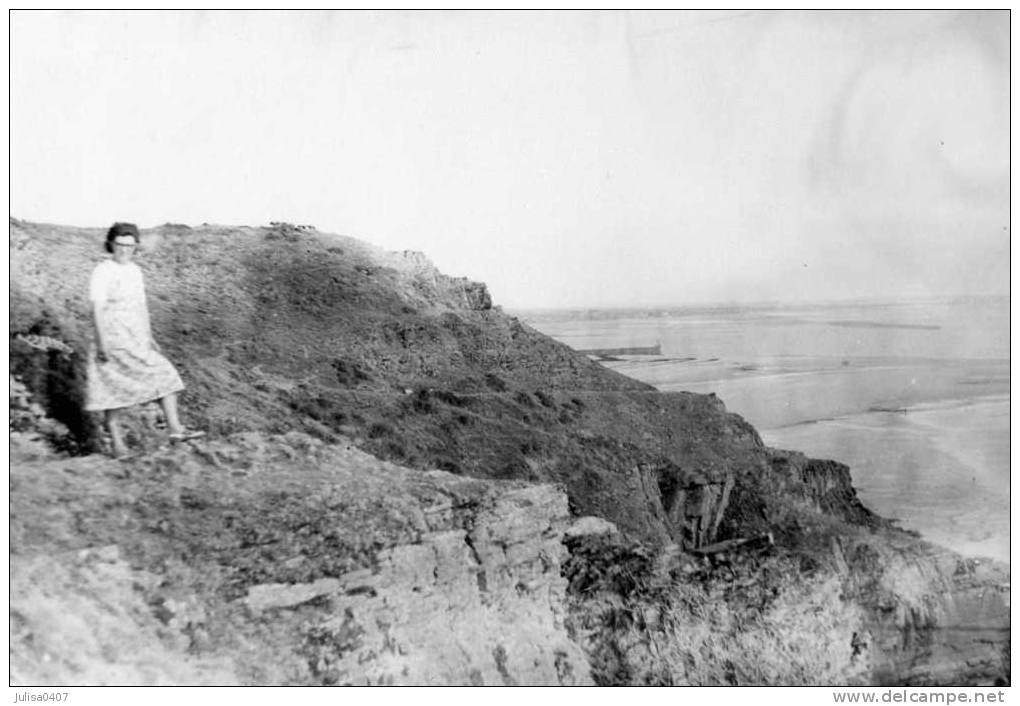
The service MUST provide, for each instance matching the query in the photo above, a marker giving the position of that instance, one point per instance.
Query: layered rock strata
(276, 560)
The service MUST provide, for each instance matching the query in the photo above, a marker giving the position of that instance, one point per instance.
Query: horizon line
(757, 303)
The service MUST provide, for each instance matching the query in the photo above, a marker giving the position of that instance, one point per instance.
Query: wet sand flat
(942, 470)
(913, 396)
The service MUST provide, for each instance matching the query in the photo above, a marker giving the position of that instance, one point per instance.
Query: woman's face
(124, 248)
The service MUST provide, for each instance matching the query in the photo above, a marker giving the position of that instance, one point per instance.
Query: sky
(572, 159)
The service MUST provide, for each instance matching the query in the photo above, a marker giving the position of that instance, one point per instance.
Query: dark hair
(118, 230)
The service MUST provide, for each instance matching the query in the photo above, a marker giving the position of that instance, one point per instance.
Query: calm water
(914, 397)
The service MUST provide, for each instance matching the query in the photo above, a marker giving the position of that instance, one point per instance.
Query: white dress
(134, 371)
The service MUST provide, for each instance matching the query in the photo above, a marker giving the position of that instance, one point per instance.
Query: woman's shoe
(186, 435)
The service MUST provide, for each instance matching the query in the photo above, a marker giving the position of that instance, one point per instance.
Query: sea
(912, 395)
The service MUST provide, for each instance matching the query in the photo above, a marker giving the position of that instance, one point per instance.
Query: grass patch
(750, 621)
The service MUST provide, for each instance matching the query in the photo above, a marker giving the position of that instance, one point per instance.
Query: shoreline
(957, 531)
(951, 489)
(773, 395)
(920, 408)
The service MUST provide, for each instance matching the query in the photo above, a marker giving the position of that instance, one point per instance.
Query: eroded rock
(362, 573)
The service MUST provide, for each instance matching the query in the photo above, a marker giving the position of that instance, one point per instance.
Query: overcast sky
(568, 159)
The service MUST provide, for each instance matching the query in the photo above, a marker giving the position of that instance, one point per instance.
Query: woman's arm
(97, 324)
(97, 296)
(147, 325)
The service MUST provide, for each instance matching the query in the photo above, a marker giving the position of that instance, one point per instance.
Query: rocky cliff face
(501, 437)
(283, 560)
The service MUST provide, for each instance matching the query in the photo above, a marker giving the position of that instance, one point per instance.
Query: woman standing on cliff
(125, 366)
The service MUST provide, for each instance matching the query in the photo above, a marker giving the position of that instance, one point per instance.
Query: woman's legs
(113, 425)
(116, 434)
(169, 405)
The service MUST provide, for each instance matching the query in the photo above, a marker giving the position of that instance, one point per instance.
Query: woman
(125, 366)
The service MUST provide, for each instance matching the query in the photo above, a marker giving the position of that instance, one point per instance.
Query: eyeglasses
(125, 245)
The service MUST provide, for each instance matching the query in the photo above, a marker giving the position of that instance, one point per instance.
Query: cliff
(389, 489)
(283, 560)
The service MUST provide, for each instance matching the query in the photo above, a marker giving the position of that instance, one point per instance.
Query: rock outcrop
(283, 560)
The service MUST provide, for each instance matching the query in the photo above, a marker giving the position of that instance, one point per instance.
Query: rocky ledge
(283, 560)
